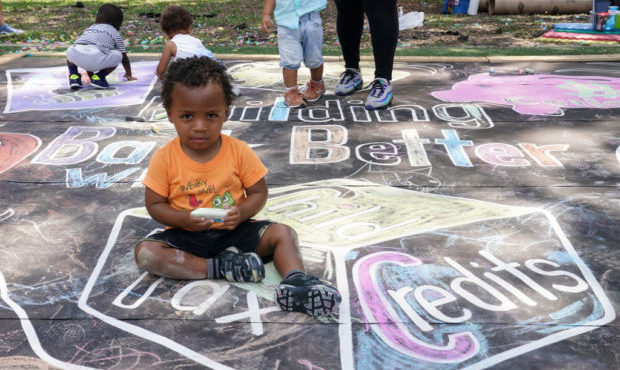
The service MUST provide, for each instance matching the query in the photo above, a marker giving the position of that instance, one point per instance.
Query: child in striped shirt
(99, 50)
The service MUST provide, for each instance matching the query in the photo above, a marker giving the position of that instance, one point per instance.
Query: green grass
(231, 26)
(427, 52)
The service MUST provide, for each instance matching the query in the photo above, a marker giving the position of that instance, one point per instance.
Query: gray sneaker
(350, 81)
(239, 267)
(307, 294)
(5, 29)
(380, 94)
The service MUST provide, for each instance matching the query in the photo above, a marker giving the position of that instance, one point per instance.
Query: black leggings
(383, 23)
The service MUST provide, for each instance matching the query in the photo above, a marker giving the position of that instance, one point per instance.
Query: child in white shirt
(176, 23)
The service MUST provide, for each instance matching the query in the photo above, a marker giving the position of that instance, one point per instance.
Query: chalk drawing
(500, 154)
(349, 214)
(334, 208)
(6, 214)
(46, 89)
(329, 148)
(470, 116)
(346, 219)
(268, 75)
(70, 148)
(540, 94)
(118, 301)
(457, 115)
(253, 314)
(15, 147)
(30, 332)
(126, 326)
(454, 146)
(377, 309)
(322, 144)
(542, 153)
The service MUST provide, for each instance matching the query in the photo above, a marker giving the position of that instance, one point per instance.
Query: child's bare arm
(127, 66)
(159, 208)
(169, 51)
(270, 5)
(256, 199)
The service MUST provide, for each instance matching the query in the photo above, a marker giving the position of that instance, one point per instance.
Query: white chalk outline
(347, 358)
(9, 88)
(129, 328)
(608, 311)
(31, 334)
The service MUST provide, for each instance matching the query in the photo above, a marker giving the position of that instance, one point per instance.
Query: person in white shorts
(99, 50)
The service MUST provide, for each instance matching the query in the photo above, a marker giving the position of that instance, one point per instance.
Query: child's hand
(130, 78)
(197, 223)
(266, 25)
(233, 218)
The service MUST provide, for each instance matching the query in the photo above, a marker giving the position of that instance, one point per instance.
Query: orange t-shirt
(218, 183)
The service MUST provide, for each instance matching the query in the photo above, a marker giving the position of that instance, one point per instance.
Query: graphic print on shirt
(193, 201)
(223, 201)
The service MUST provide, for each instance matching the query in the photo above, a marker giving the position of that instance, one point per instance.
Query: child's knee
(285, 233)
(147, 256)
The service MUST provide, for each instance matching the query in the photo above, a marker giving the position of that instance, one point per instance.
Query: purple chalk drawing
(48, 89)
(384, 320)
(540, 94)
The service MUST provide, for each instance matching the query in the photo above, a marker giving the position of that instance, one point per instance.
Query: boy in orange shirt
(203, 168)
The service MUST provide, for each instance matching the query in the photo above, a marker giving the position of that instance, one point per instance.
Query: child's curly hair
(110, 14)
(195, 72)
(175, 18)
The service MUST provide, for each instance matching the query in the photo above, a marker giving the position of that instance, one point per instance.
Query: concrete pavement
(473, 224)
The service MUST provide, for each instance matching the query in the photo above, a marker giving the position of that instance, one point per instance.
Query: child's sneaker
(75, 81)
(240, 267)
(99, 82)
(5, 29)
(293, 99)
(350, 81)
(307, 294)
(380, 95)
(313, 90)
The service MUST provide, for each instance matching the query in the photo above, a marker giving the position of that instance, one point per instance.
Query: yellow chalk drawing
(341, 213)
(269, 74)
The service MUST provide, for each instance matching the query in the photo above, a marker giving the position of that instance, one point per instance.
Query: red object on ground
(581, 36)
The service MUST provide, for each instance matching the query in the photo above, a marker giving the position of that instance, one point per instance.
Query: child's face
(198, 114)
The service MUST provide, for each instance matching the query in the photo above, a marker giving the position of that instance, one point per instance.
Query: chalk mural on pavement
(540, 94)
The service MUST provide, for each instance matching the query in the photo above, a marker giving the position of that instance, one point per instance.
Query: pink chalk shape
(377, 310)
(48, 89)
(500, 154)
(15, 147)
(540, 94)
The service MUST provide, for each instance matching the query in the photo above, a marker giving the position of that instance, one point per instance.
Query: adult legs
(383, 24)
(350, 24)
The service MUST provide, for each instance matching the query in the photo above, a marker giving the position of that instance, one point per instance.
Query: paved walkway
(473, 224)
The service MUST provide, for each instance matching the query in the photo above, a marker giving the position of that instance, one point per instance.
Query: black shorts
(209, 243)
